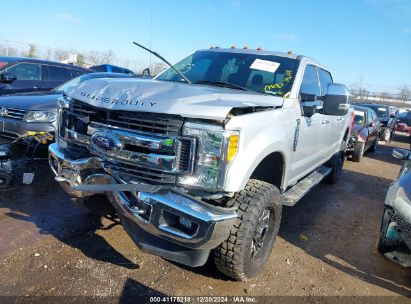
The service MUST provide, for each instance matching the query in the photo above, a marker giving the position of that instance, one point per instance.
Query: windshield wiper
(222, 84)
(162, 58)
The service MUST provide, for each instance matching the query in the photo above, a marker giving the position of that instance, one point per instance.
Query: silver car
(36, 111)
(395, 233)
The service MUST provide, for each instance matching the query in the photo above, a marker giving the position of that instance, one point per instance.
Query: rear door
(29, 78)
(57, 75)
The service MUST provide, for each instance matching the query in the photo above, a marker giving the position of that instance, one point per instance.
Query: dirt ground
(325, 251)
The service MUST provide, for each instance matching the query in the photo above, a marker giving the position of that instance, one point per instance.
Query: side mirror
(336, 101)
(309, 111)
(401, 154)
(8, 77)
(146, 72)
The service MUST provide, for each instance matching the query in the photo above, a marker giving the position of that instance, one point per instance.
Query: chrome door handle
(325, 121)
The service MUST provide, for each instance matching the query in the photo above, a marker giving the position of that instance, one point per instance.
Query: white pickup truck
(202, 164)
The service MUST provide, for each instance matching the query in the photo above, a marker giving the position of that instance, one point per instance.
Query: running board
(295, 193)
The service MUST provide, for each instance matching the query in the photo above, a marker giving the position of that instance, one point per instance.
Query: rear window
(359, 118)
(58, 73)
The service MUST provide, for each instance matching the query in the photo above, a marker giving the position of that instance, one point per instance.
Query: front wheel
(246, 250)
(386, 135)
(374, 146)
(358, 152)
(385, 245)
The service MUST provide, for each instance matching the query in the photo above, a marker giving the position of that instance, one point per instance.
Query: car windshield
(72, 83)
(359, 118)
(381, 111)
(266, 74)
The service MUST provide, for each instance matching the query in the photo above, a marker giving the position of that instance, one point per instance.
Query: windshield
(359, 118)
(265, 74)
(380, 110)
(72, 83)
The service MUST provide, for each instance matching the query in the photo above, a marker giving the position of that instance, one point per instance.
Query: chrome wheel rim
(260, 232)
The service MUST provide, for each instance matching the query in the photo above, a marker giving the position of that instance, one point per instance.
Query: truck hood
(187, 100)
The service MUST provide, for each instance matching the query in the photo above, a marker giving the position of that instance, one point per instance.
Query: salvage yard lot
(326, 245)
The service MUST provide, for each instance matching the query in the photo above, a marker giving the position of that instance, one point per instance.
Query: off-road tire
(384, 245)
(234, 257)
(358, 152)
(336, 164)
(374, 146)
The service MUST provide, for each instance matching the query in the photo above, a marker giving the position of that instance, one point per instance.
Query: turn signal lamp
(232, 147)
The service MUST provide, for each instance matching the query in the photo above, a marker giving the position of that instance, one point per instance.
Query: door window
(325, 80)
(58, 74)
(309, 84)
(25, 71)
(76, 73)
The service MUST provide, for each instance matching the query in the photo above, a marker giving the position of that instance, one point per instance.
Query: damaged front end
(150, 166)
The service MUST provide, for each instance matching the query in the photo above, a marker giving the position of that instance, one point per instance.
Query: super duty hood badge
(142, 95)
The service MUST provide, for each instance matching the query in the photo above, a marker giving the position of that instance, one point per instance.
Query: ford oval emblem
(104, 142)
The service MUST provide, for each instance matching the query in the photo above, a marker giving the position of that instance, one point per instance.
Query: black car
(111, 69)
(37, 111)
(386, 118)
(19, 74)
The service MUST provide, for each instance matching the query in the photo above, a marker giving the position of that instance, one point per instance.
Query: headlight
(216, 150)
(40, 116)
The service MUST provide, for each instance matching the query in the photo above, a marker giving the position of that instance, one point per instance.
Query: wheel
(386, 135)
(384, 245)
(336, 164)
(374, 146)
(358, 152)
(5, 180)
(245, 251)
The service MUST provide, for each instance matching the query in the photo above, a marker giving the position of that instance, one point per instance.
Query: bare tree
(405, 92)
(358, 91)
(61, 54)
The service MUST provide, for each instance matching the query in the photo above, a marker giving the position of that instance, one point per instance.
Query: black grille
(150, 176)
(15, 113)
(184, 157)
(139, 121)
(401, 222)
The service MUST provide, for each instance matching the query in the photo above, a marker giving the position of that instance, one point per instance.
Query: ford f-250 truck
(202, 164)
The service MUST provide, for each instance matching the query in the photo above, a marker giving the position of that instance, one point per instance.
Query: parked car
(36, 111)
(365, 133)
(111, 69)
(387, 120)
(395, 232)
(200, 160)
(404, 122)
(19, 74)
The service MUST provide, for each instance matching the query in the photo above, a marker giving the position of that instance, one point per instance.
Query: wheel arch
(271, 169)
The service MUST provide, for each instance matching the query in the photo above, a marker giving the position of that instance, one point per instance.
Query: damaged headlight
(216, 150)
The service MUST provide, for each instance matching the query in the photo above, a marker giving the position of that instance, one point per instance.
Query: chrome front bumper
(170, 215)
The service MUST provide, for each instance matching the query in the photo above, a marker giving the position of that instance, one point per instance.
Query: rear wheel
(358, 152)
(336, 164)
(374, 146)
(246, 250)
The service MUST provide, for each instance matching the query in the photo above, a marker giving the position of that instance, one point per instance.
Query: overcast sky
(360, 40)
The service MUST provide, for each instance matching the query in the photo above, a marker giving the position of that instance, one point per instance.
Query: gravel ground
(325, 251)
